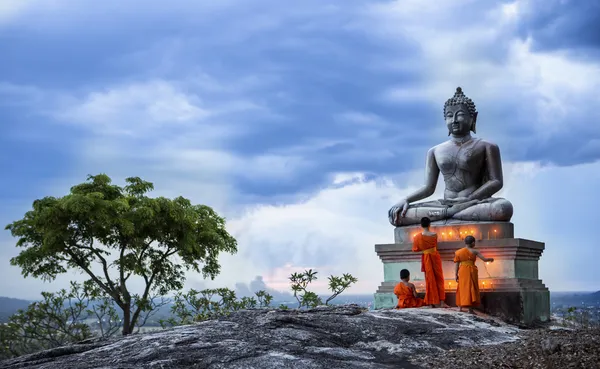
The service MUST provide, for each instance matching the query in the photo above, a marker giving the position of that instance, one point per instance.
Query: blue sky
(302, 124)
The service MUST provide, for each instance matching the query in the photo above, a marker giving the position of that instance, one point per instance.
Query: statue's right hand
(398, 211)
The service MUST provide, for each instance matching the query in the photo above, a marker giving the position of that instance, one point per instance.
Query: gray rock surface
(544, 348)
(327, 337)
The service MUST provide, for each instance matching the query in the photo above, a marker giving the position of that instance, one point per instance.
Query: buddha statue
(472, 171)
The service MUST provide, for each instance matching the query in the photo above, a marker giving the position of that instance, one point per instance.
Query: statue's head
(460, 114)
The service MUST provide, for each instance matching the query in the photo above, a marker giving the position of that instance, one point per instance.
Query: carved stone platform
(510, 286)
(457, 230)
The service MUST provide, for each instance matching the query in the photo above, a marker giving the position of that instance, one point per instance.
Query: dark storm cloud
(562, 24)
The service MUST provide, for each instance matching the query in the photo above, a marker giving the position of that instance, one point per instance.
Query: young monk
(431, 265)
(406, 292)
(467, 277)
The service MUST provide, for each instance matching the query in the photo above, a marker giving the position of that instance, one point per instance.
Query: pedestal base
(510, 286)
(521, 305)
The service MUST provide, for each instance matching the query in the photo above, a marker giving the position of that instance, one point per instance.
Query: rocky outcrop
(327, 337)
(548, 348)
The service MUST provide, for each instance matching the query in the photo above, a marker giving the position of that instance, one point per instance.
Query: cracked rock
(326, 337)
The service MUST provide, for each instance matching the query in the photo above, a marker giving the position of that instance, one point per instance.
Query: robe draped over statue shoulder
(406, 299)
(467, 291)
(431, 265)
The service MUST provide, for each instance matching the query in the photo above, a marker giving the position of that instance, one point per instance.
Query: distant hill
(559, 299)
(9, 306)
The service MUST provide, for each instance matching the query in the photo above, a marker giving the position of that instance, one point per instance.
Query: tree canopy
(111, 233)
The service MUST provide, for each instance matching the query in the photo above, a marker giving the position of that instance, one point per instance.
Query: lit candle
(495, 235)
(484, 286)
(443, 236)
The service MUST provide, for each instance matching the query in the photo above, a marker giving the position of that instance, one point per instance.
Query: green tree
(56, 320)
(337, 285)
(7, 340)
(111, 233)
(300, 281)
(579, 317)
(61, 318)
(194, 306)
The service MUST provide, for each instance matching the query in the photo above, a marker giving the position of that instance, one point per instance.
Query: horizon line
(350, 294)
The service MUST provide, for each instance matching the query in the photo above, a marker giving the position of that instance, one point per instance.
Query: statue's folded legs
(492, 209)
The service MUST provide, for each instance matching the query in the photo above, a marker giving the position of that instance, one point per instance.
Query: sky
(302, 124)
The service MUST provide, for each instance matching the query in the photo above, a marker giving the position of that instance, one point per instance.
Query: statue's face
(458, 120)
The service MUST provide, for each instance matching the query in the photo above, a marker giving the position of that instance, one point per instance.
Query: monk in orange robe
(406, 292)
(431, 265)
(467, 275)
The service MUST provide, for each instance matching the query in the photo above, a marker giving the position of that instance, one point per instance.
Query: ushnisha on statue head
(460, 114)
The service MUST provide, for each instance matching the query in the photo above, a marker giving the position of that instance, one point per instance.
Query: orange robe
(406, 299)
(431, 265)
(467, 291)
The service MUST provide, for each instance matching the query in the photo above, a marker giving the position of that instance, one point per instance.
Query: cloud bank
(302, 125)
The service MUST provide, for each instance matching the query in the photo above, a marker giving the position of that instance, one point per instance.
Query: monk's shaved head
(469, 240)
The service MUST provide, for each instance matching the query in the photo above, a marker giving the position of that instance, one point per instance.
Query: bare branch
(149, 282)
(153, 309)
(111, 292)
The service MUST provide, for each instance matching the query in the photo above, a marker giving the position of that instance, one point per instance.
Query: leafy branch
(195, 306)
(300, 281)
(59, 319)
(337, 285)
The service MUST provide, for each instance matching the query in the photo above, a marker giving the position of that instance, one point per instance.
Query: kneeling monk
(431, 265)
(406, 292)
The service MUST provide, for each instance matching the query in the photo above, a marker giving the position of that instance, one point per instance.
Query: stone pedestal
(510, 286)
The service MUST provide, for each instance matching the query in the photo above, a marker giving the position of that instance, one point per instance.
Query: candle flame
(494, 230)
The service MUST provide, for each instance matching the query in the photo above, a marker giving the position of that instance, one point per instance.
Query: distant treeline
(575, 299)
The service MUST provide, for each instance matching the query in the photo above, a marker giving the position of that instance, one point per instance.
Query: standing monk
(467, 277)
(431, 265)
(406, 292)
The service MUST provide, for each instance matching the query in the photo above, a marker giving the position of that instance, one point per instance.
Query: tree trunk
(127, 328)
